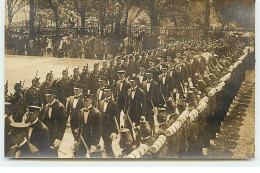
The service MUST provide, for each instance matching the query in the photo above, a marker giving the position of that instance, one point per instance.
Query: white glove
(93, 148)
(56, 143)
(113, 136)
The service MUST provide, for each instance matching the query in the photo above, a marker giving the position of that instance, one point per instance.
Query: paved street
(237, 132)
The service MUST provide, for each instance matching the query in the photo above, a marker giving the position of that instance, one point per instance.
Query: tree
(13, 6)
(80, 7)
(239, 11)
(55, 6)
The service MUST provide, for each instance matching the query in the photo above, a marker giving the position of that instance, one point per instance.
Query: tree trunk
(83, 21)
(56, 16)
(207, 15)
(125, 23)
(57, 37)
(31, 20)
(10, 17)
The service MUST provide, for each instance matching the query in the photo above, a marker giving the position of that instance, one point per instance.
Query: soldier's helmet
(18, 86)
(36, 81)
(65, 72)
(49, 76)
(76, 70)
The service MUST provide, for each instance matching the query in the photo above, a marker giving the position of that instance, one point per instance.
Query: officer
(135, 105)
(110, 117)
(32, 94)
(90, 128)
(152, 93)
(54, 117)
(122, 85)
(21, 148)
(102, 81)
(165, 83)
(38, 133)
(74, 104)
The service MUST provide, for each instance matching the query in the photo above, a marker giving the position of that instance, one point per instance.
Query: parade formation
(166, 102)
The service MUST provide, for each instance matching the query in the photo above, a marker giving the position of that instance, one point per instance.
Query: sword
(117, 126)
(56, 149)
(88, 151)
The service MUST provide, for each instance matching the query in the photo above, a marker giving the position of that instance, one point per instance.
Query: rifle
(6, 87)
(36, 74)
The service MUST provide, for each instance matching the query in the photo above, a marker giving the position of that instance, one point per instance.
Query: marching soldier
(74, 104)
(135, 104)
(32, 94)
(54, 117)
(74, 79)
(62, 86)
(122, 85)
(17, 103)
(110, 115)
(47, 84)
(21, 148)
(90, 128)
(38, 133)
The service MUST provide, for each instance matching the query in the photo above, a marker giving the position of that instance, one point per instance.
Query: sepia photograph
(129, 79)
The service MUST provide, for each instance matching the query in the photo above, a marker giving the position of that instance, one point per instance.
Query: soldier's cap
(75, 69)
(192, 52)
(87, 96)
(78, 86)
(164, 66)
(36, 79)
(33, 108)
(50, 92)
(132, 78)
(102, 78)
(149, 71)
(159, 58)
(65, 71)
(178, 53)
(169, 56)
(121, 71)
(108, 87)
